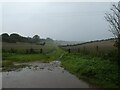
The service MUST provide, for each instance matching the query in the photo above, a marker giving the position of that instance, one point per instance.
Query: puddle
(41, 75)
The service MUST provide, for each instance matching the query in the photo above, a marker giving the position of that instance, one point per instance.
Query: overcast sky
(57, 20)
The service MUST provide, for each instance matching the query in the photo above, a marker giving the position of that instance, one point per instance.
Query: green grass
(56, 54)
(8, 59)
(15, 57)
(50, 52)
(9, 66)
(23, 57)
(94, 70)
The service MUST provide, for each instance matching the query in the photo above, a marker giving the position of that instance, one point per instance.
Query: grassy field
(16, 57)
(105, 49)
(95, 70)
(94, 62)
(23, 47)
(49, 53)
(85, 61)
(93, 47)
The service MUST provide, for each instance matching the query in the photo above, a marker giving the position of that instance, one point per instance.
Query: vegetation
(95, 70)
(82, 43)
(104, 49)
(28, 52)
(21, 57)
(97, 62)
(94, 62)
(9, 66)
(27, 48)
(14, 38)
(9, 58)
(114, 23)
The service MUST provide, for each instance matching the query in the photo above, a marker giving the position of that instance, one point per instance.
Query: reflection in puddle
(41, 75)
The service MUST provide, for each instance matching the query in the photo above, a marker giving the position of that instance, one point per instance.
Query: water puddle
(41, 75)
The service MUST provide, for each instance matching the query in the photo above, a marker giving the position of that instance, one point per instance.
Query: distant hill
(101, 46)
(89, 42)
(60, 42)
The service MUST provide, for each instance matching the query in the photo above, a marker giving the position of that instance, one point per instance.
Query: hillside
(93, 46)
(61, 42)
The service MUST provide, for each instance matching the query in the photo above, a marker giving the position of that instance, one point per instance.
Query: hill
(101, 46)
(61, 42)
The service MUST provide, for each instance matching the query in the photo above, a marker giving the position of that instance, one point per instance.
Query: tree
(15, 37)
(36, 38)
(114, 24)
(5, 37)
(49, 40)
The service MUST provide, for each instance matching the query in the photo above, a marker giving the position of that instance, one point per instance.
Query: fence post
(27, 51)
(97, 48)
(41, 51)
(78, 50)
(69, 50)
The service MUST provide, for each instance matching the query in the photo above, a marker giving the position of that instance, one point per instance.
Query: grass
(94, 70)
(50, 52)
(9, 66)
(95, 48)
(20, 47)
(10, 58)
(21, 57)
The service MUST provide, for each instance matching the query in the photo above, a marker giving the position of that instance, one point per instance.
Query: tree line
(14, 37)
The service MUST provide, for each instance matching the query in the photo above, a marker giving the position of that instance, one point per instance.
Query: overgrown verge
(95, 70)
(10, 66)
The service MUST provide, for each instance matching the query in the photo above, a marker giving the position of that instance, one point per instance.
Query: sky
(70, 21)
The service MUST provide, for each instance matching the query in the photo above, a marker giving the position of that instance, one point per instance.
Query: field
(26, 52)
(105, 49)
(95, 62)
(93, 47)
(33, 51)
(20, 47)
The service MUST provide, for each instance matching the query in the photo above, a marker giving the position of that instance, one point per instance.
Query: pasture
(105, 49)
(92, 62)
(27, 52)
(93, 47)
(95, 62)
(20, 47)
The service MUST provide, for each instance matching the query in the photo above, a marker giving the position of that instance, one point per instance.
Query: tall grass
(95, 51)
(27, 48)
(23, 57)
(95, 70)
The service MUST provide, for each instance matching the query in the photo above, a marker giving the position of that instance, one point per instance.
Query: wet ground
(41, 75)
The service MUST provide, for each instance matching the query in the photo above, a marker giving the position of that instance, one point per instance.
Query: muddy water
(41, 75)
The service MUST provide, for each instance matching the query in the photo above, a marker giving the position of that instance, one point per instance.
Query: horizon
(59, 40)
